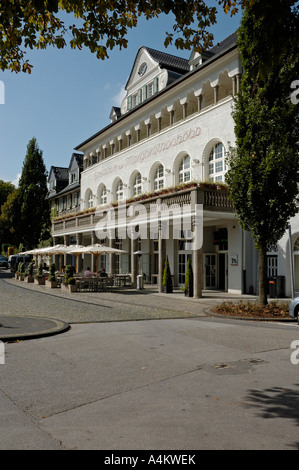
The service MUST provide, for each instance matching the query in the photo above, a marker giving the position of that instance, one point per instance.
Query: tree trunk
(262, 277)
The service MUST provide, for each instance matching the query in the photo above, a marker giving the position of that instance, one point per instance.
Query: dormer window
(73, 177)
(148, 90)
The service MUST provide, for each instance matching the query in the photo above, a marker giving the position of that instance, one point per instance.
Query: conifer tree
(34, 208)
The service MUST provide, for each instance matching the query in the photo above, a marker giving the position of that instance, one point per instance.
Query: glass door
(210, 267)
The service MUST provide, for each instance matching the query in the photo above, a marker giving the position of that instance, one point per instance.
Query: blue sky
(69, 94)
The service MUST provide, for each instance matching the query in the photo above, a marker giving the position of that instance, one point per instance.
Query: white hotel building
(163, 146)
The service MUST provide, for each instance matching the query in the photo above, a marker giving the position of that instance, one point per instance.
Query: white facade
(174, 128)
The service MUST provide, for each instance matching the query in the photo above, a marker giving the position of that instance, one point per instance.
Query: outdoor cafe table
(92, 283)
(121, 279)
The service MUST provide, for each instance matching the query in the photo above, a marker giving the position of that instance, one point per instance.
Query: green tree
(100, 25)
(10, 220)
(263, 167)
(32, 192)
(5, 189)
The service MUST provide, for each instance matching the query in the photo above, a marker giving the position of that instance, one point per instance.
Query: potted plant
(17, 273)
(167, 281)
(188, 288)
(72, 284)
(52, 281)
(39, 277)
(69, 280)
(29, 276)
(21, 270)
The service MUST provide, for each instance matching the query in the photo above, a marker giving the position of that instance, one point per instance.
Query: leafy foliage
(189, 279)
(249, 309)
(25, 216)
(102, 25)
(167, 280)
(263, 167)
(97, 25)
(32, 192)
(6, 188)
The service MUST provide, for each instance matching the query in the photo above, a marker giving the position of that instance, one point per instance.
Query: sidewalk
(46, 311)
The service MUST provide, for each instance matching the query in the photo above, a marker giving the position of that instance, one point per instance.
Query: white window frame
(90, 200)
(104, 196)
(137, 187)
(217, 165)
(159, 178)
(119, 193)
(185, 169)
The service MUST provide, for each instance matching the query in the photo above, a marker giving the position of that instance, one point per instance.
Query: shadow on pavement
(277, 402)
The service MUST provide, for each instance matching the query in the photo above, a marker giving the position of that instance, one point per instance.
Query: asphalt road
(166, 382)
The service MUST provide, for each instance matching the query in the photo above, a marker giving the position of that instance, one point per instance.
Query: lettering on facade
(154, 150)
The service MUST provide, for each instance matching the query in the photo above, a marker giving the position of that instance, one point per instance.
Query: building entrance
(215, 271)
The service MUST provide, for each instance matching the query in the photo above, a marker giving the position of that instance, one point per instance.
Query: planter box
(22, 277)
(72, 287)
(51, 284)
(189, 292)
(40, 281)
(30, 279)
(69, 287)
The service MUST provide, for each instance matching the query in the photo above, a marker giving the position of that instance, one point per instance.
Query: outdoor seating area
(96, 283)
(68, 277)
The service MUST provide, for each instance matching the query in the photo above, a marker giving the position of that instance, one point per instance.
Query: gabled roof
(167, 61)
(79, 159)
(219, 49)
(225, 44)
(59, 172)
(115, 113)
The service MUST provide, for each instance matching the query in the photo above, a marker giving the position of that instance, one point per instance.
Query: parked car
(294, 307)
(3, 262)
(14, 260)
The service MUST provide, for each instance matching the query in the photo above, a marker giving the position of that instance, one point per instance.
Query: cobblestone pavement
(20, 298)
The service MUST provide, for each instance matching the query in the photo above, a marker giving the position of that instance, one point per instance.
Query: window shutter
(140, 96)
(144, 92)
(156, 85)
(129, 103)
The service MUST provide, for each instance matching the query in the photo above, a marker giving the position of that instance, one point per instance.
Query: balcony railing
(212, 198)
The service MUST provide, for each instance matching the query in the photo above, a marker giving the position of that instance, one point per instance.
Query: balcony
(213, 198)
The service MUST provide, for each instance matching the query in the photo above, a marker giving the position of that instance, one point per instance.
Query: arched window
(137, 185)
(119, 191)
(90, 200)
(185, 170)
(296, 245)
(159, 178)
(104, 196)
(217, 163)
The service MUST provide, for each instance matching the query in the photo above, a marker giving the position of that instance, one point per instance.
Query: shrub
(188, 288)
(167, 281)
(68, 272)
(52, 271)
(30, 268)
(21, 268)
(40, 272)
